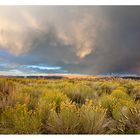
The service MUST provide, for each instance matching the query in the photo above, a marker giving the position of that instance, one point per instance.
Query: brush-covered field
(69, 106)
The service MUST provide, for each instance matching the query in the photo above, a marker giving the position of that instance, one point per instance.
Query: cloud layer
(83, 39)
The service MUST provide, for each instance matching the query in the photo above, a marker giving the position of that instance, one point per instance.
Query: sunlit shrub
(79, 93)
(31, 96)
(116, 102)
(48, 100)
(66, 121)
(136, 92)
(107, 102)
(119, 94)
(121, 106)
(106, 87)
(19, 120)
(129, 86)
(94, 119)
(122, 89)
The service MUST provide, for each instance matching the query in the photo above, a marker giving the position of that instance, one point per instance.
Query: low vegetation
(69, 106)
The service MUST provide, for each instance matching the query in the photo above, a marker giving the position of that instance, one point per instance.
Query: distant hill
(61, 76)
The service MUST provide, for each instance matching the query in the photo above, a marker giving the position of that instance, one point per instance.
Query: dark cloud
(83, 39)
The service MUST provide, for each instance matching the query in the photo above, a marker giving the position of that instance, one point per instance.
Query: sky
(90, 40)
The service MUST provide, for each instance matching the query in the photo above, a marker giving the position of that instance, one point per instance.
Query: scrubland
(69, 106)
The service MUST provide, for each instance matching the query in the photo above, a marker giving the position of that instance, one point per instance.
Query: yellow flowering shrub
(136, 92)
(49, 98)
(93, 118)
(116, 103)
(20, 120)
(66, 121)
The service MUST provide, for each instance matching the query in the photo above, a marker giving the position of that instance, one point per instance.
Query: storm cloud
(76, 39)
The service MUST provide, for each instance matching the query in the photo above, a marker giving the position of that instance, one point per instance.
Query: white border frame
(69, 2)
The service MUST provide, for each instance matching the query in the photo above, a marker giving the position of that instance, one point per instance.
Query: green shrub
(119, 94)
(19, 120)
(79, 93)
(116, 103)
(106, 87)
